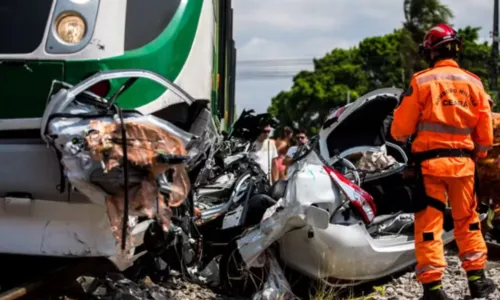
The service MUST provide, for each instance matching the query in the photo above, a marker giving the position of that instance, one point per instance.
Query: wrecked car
(97, 176)
(339, 217)
(219, 207)
(225, 200)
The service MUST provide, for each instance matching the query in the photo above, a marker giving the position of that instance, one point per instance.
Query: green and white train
(189, 42)
(186, 41)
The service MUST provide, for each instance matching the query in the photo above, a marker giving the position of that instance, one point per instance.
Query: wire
(301, 61)
(125, 178)
(287, 68)
(279, 61)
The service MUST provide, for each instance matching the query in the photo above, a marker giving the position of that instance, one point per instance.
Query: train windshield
(22, 30)
(144, 23)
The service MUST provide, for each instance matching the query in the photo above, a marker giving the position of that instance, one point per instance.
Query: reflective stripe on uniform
(449, 76)
(443, 128)
(423, 269)
(472, 256)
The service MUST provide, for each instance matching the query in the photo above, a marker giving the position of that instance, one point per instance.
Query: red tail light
(101, 89)
(359, 198)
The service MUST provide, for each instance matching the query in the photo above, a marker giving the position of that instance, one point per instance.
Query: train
(189, 42)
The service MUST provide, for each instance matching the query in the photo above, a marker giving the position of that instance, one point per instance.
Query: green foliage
(314, 93)
(476, 57)
(376, 62)
(420, 16)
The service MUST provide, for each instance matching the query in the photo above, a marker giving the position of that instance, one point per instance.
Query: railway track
(55, 282)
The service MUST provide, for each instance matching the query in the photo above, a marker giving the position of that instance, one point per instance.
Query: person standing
(263, 150)
(302, 139)
(279, 171)
(447, 112)
(287, 136)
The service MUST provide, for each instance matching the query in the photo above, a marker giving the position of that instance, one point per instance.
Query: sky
(304, 29)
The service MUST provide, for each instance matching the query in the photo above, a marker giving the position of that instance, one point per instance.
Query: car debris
(132, 164)
(145, 145)
(276, 286)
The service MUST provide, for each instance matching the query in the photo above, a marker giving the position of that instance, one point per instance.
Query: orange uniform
(447, 108)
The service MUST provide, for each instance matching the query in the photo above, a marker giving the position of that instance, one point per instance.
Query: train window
(22, 25)
(145, 22)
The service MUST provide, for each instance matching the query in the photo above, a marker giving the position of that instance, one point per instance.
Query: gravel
(116, 286)
(406, 287)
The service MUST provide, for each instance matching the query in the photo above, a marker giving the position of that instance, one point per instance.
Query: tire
(230, 264)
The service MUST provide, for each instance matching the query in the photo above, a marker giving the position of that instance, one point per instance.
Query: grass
(319, 290)
(322, 291)
(325, 292)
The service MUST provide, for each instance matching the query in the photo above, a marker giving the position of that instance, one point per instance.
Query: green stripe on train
(166, 55)
(25, 87)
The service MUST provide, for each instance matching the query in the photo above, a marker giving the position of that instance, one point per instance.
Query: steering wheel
(304, 150)
(349, 170)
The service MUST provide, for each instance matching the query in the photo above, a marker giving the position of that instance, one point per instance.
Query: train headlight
(70, 28)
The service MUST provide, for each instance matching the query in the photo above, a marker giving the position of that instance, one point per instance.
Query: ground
(403, 287)
(115, 286)
(407, 288)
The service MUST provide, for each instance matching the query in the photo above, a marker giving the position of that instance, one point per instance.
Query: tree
(377, 62)
(314, 93)
(381, 60)
(475, 56)
(420, 16)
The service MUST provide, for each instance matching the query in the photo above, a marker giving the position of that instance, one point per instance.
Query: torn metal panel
(258, 239)
(145, 142)
(276, 286)
(289, 212)
(92, 156)
(39, 219)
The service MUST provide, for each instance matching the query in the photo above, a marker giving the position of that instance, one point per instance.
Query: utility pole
(494, 53)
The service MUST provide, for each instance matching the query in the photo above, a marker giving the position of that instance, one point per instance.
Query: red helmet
(440, 35)
(440, 39)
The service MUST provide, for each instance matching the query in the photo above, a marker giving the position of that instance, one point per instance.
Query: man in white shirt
(291, 151)
(301, 140)
(263, 150)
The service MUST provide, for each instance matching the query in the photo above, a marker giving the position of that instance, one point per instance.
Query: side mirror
(317, 217)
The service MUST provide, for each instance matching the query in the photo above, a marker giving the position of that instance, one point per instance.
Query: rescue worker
(446, 112)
